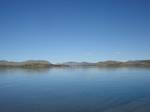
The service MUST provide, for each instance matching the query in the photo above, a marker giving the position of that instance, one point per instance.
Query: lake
(75, 90)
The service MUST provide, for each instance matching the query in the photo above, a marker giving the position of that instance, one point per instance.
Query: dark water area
(75, 90)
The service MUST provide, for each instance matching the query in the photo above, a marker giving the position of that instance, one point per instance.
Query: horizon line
(9, 60)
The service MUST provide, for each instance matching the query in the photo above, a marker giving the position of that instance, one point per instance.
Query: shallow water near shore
(75, 90)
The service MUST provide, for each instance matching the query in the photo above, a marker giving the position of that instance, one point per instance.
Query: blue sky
(74, 30)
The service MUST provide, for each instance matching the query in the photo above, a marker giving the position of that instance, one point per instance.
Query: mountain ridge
(45, 63)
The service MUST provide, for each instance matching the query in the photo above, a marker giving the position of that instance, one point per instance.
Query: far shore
(47, 64)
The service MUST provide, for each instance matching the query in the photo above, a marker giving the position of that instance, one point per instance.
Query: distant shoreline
(47, 64)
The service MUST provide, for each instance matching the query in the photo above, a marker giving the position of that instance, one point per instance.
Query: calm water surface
(75, 90)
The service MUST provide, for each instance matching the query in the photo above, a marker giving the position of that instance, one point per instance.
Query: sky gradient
(74, 30)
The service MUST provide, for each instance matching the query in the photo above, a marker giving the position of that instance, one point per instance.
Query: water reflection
(27, 70)
(86, 69)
